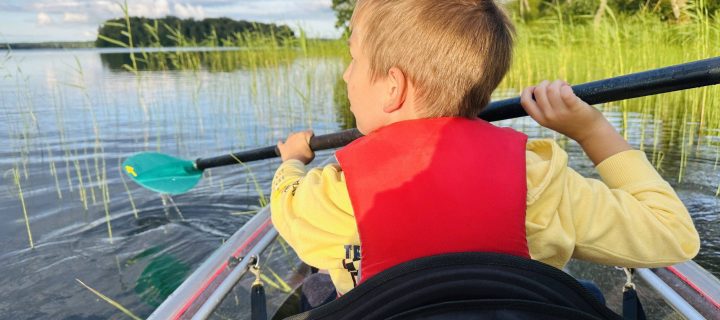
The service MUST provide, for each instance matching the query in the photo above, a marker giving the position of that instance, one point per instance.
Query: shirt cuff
(289, 169)
(627, 167)
(293, 163)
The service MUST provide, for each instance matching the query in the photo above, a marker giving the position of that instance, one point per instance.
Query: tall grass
(556, 47)
(18, 185)
(112, 302)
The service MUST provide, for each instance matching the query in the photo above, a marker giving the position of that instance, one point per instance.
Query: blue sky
(76, 20)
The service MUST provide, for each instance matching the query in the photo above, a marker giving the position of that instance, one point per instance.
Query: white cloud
(75, 17)
(189, 11)
(317, 5)
(153, 9)
(105, 9)
(276, 10)
(44, 19)
(100, 10)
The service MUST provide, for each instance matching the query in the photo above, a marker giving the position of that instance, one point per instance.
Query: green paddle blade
(162, 173)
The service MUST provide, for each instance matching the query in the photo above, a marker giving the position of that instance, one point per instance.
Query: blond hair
(455, 52)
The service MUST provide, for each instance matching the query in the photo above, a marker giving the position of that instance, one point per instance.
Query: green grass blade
(110, 301)
(113, 41)
(114, 24)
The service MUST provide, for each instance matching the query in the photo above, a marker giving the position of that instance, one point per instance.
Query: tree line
(173, 31)
(48, 45)
(676, 11)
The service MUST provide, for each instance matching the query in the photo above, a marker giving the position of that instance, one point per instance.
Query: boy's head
(454, 53)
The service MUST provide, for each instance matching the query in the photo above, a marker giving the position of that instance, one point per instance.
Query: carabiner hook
(628, 279)
(254, 268)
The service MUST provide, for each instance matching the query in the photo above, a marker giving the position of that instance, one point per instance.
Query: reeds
(18, 185)
(558, 47)
(251, 178)
(110, 301)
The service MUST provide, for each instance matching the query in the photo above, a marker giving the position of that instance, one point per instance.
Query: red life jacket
(432, 186)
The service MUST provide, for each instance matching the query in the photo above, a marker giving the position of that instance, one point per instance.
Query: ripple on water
(705, 211)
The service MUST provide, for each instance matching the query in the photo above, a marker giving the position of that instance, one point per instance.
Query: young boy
(430, 178)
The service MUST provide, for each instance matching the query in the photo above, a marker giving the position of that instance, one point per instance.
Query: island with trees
(173, 31)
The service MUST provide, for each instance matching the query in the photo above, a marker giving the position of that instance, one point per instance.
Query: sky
(78, 20)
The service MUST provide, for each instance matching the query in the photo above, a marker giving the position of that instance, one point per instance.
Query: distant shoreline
(48, 45)
(59, 45)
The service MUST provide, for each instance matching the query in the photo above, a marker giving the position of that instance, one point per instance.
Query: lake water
(70, 117)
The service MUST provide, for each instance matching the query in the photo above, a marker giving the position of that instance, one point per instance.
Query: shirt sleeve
(312, 212)
(631, 218)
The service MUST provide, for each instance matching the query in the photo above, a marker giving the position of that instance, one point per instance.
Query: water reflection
(342, 105)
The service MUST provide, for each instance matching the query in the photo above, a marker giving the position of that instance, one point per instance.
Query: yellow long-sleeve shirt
(632, 218)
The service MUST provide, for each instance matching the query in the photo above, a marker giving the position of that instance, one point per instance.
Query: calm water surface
(68, 118)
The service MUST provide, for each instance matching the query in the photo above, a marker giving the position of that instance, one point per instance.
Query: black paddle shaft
(674, 78)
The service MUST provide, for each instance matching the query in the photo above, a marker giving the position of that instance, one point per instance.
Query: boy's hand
(557, 107)
(297, 146)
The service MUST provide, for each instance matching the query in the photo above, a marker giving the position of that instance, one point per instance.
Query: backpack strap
(632, 308)
(467, 285)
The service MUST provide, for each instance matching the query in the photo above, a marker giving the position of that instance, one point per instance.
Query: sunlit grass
(110, 301)
(554, 48)
(277, 282)
(251, 177)
(18, 185)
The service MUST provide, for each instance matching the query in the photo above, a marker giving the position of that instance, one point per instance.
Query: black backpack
(467, 285)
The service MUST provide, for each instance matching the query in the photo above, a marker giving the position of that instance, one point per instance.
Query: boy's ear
(397, 86)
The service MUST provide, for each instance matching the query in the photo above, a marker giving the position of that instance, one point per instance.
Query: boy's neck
(403, 116)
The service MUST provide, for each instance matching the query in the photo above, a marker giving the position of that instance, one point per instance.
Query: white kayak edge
(204, 289)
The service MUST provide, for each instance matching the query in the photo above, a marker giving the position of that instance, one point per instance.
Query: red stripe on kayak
(687, 281)
(218, 271)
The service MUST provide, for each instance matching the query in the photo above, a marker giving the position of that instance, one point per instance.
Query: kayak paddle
(165, 174)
